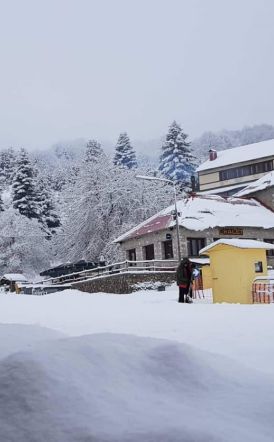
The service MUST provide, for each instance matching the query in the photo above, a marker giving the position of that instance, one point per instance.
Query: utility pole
(151, 178)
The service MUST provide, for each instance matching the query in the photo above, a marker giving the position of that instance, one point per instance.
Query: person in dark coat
(184, 278)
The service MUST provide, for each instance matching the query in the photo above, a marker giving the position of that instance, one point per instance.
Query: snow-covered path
(242, 332)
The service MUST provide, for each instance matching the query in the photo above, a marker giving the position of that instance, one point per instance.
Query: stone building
(202, 220)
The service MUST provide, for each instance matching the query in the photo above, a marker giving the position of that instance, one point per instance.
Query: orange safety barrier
(197, 288)
(262, 292)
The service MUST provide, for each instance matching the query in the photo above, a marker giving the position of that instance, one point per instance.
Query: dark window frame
(130, 253)
(269, 253)
(149, 252)
(167, 249)
(258, 267)
(194, 245)
(249, 169)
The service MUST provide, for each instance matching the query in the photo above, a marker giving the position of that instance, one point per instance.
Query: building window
(250, 169)
(194, 245)
(131, 254)
(167, 249)
(258, 267)
(269, 252)
(149, 252)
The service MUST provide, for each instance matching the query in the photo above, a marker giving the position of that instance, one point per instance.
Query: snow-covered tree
(24, 192)
(2, 187)
(3, 180)
(7, 166)
(23, 246)
(176, 161)
(125, 155)
(1, 204)
(47, 213)
(107, 201)
(93, 151)
(64, 152)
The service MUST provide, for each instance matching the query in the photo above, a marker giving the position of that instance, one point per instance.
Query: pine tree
(93, 151)
(1, 204)
(176, 161)
(47, 214)
(2, 186)
(7, 166)
(2, 171)
(24, 194)
(125, 156)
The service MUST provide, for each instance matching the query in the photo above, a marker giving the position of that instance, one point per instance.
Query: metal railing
(263, 290)
(198, 288)
(152, 265)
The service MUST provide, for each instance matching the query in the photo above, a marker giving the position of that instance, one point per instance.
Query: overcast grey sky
(94, 68)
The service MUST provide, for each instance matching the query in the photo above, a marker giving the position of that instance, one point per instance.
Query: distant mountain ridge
(225, 139)
(148, 152)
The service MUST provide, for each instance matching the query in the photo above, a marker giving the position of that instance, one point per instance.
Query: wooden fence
(119, 267)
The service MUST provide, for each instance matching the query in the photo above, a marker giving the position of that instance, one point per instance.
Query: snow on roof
(220, 190)
(241, 243)
(15, 277)
(202, 261)
(261, 184)
(202, 212)
(239, 154)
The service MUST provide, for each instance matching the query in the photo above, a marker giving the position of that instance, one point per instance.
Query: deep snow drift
(242, 332)
(80, 373)
(110, 387)
(18, 337)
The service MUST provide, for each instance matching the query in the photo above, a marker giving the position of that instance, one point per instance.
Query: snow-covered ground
(140, 367)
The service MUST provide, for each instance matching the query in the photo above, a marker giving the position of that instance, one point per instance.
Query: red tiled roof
(160, 222)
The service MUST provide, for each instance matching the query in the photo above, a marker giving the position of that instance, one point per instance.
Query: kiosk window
(258, 267)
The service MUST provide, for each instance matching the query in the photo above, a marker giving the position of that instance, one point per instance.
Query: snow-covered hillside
(141, 367)
(70, 202)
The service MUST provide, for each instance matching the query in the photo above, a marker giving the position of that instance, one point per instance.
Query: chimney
(212, 154)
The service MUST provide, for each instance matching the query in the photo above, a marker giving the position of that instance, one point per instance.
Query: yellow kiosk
(234, 264)
(206, 276)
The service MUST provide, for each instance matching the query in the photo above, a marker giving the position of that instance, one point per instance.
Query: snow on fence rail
(263, 290)
(152, 265)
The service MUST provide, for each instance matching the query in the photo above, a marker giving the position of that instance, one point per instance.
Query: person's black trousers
(183, 291)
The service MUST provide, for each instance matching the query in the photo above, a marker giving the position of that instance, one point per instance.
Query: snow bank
(119, 388)
(113, 386)
(19, 337)
(242, 332)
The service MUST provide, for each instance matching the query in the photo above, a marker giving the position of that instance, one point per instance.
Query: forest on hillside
(67, 204)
